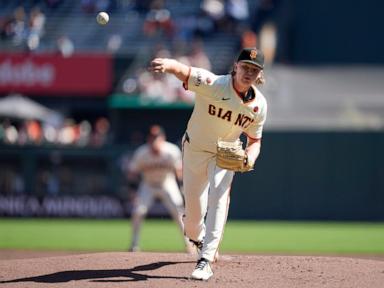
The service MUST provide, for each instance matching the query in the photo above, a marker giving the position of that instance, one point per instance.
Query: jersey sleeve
(201, 81)
(255, 130)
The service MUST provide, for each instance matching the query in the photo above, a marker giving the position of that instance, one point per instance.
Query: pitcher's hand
(159, 65)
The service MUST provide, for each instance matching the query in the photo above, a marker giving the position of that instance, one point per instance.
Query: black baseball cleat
(203, 270)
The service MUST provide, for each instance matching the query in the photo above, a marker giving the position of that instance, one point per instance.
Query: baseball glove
(231, 156)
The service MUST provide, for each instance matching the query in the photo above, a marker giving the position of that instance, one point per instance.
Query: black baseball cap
(252, 56)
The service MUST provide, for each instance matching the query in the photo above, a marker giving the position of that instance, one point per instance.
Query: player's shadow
(101, 275)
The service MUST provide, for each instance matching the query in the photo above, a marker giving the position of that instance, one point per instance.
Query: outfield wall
(300, 175)
(314, 175)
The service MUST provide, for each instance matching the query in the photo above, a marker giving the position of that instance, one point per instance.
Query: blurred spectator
(158, 20)
(65, 46)
(114, 43)
(265, 25)
(197, 56)
(22, 133)
(166, 88)
(68, 133)
(34, 132)
(101, 132)
(6, 27)
(18, 28)
(24, 31)
(36, 28)
(10, 133)
(37, 22)
(85, 131)
(248, 38)
(50, 134)
(268, 42)
(156, 87)
(33, 42)
(237, 13)
(215, 10)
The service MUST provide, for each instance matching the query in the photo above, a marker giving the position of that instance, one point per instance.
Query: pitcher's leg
(195, 190)
(196, 200)
(218, 204)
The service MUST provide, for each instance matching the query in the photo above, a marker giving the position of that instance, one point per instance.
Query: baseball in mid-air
(102, 18)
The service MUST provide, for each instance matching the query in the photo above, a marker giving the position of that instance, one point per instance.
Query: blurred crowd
(25, 25)
(33, 132)
(23, 28)
(183, 37)
(213, 16)
(188, 36)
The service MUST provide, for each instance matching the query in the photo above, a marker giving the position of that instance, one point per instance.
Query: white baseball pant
(206, 189)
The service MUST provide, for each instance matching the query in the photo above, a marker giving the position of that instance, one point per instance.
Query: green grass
(305, 237)
(163, 235)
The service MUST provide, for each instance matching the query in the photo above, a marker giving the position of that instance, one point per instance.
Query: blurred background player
(158, 162)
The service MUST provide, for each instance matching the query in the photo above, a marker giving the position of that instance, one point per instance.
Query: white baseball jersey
(220, 112)
(156, 169)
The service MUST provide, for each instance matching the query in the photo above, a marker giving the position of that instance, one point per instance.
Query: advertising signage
(46, 74)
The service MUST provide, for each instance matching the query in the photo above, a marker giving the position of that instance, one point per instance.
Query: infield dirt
(119, 269)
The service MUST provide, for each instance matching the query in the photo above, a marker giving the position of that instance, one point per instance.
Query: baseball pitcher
(226, 106)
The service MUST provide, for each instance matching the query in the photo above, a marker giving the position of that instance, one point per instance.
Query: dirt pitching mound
(173, 270)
